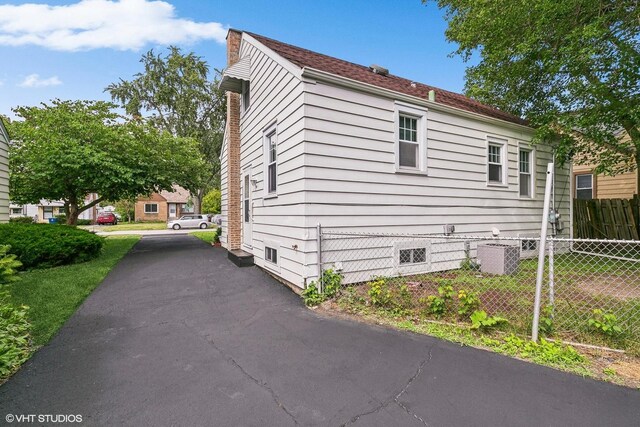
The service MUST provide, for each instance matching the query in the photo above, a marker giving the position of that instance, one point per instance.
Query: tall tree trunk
(197, 201)
(74, 212)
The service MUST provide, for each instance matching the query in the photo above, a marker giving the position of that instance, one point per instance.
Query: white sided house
(312, 139)
(4, 174)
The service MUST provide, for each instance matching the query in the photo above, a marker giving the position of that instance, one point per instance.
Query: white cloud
(93, 24)
(34, 80)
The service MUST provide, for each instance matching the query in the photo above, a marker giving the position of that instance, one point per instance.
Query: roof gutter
(326, 77)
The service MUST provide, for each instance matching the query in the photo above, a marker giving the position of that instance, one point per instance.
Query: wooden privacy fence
(606, 219)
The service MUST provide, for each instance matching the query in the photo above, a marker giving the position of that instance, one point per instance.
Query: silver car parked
(189, 221)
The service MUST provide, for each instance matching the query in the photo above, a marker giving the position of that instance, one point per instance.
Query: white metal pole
(541, 253)
(319, 243)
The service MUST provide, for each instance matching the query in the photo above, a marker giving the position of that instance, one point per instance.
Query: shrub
(379, 292)
(216, 238)
(331, 283)
(8, 265)
(14, 335)
(21, 220)
(468, 302)
(84, 222)
(44, 245)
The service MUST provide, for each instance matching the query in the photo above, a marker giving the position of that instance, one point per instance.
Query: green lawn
(206, 236)
(132, 226)
(54, 294)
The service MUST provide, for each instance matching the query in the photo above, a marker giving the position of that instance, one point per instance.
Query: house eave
(346, 82)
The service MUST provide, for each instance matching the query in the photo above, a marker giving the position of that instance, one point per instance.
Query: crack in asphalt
(394, 399)
(231, 360)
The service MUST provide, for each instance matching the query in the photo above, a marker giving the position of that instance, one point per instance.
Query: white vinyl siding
(276, 97)
(351, 181)
(338, 165)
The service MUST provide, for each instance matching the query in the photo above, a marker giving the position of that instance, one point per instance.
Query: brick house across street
(164, 205)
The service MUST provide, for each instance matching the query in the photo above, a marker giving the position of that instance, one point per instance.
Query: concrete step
(240, 258)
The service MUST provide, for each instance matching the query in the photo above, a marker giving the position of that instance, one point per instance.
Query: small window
(270, 147)
(524, 165)
(413, 256)
(187, 207)
(16, 211)
(150, 208)
(528, 245)
(272, 168)
(271, 255)
(246, 95)
(584, 187)
(495, 163)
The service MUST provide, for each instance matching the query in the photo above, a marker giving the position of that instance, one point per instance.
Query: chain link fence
(591, 288)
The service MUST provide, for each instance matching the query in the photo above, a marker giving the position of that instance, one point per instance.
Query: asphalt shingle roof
(306, 58)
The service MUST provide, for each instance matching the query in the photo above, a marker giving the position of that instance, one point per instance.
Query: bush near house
(21, 220)
(44, 245)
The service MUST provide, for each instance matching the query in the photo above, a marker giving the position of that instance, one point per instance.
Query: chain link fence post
(319, 244)
(541, 254)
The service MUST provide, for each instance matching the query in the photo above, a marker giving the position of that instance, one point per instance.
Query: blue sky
(75, 51)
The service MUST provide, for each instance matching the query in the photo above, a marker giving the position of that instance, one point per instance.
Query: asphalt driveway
(177, 335)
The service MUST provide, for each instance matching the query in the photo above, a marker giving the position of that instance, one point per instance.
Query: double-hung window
(47, 212)
(409, 149)
(584, 186)
(495, 162)
(411, 139)
(525, 169)
(246, 96)
(271, 161)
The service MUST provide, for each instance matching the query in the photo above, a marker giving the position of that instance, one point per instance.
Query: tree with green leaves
(68, 149)
(176, 94)
(211, 202)
(571, 67)
(126, 208)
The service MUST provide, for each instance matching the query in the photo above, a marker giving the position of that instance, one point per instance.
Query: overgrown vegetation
(44, 245)
(14, 326)
(331, 282)
(605, 323)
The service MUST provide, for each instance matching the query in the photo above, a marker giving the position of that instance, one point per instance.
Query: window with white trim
(525, 176)
(271, 255)
(495, 162)
(150, 208)
(271, 161)
(584, 186)
(411, 139)
(246, 95)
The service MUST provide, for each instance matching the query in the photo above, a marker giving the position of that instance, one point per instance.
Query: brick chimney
(234, 202)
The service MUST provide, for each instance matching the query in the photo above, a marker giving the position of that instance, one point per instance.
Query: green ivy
(481, 320)
(605, 323)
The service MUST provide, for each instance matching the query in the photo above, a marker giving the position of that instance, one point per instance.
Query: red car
(107, 218)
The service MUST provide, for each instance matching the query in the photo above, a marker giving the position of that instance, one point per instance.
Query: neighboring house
(164, 205)
(4, 173)
(312, 139)
(588, 185)
(47, 209)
